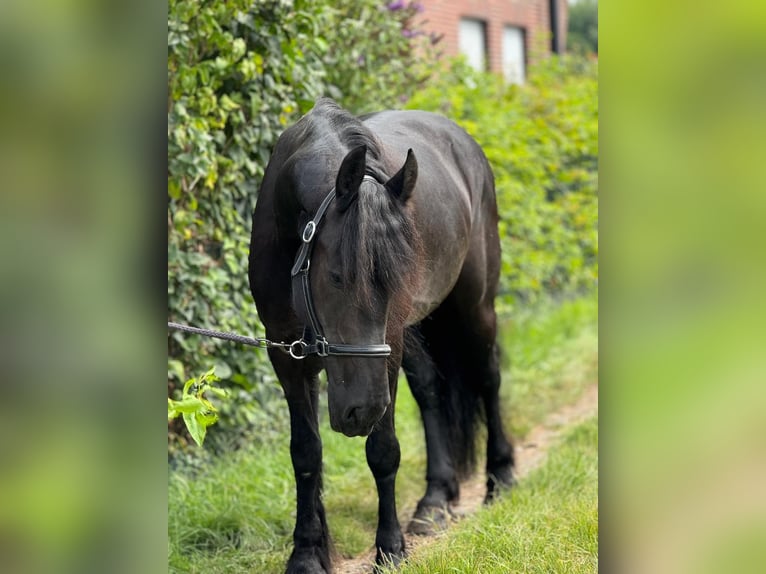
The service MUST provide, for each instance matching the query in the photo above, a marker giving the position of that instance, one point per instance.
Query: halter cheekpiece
(313, 341)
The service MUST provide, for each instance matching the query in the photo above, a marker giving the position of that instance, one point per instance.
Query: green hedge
(542, 142)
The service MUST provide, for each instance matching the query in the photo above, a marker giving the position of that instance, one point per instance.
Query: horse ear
(403, 182)
(350, 176)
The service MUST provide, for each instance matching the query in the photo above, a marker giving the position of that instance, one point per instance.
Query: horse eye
(336, 279)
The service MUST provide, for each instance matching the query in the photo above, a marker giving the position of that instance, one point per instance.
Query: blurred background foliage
(240, 72)
(542, 142)
(582, 33)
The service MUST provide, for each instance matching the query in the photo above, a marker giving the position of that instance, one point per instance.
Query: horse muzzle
(358, 420)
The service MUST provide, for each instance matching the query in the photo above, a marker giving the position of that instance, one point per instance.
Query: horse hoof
(429, 520)
(499, 483)
(389, 555)
(385, 562)
(306, 563)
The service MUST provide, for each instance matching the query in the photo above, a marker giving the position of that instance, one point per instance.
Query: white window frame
(472, 40)
(514, 54)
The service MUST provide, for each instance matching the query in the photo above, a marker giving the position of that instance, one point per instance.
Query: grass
(549, 356)
(236, 514)
(548, 524)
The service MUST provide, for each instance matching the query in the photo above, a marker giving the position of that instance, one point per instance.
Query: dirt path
(530, 452)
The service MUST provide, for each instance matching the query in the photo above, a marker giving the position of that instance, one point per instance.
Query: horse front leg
(383, 456)
(311, 537)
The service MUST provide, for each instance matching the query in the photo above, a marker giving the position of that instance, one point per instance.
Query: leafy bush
(377, 58)
(239, 72)
(542, 142)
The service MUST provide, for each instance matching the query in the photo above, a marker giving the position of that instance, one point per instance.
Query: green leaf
(222, 370)
(222, 393)
(189, 404)
(206, 419)
(209, 375)
(196, 430)
(172, 411)
(174, 190)
(176, 369)
(188, 384)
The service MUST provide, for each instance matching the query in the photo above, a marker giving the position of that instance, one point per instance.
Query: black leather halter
(313, 341)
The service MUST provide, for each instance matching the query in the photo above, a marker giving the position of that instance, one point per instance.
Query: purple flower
(417, 6)
(361, 60)
(398, 5)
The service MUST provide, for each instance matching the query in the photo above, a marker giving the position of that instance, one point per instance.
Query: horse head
(361, 273)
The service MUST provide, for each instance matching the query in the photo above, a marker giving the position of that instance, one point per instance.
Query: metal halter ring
(302, 345)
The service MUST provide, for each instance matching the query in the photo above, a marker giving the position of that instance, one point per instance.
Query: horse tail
(462, 409)
(457, 400)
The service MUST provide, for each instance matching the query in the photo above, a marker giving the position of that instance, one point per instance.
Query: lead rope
(261, 343)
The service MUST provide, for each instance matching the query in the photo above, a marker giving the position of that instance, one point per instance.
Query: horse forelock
(378, 246)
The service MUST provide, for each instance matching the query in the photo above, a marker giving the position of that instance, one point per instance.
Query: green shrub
(542, 142)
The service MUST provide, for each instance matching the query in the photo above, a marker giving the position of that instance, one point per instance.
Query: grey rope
(262, 343)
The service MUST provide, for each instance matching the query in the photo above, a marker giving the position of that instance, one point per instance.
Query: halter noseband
(313, 341)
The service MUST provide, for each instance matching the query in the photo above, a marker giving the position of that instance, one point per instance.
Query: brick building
(498, 35)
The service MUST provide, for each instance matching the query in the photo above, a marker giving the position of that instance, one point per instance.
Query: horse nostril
(352, 415)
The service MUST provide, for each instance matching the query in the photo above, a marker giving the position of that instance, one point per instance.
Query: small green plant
(197, 411)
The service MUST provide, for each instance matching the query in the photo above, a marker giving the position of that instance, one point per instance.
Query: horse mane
(349, 129)
(378, 240)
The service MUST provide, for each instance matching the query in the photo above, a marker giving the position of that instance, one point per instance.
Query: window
(513, 54)
(472, 36)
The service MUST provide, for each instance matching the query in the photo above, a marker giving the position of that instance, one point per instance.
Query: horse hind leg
(500, 460)
(426, 383)
(473, 384)
(475, 321)
(483, 365)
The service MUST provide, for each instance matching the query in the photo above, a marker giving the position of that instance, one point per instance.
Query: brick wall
(443, 17)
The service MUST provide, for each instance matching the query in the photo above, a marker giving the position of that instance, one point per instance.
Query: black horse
(371, 260)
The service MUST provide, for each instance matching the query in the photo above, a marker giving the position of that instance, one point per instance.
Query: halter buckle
(323, 347)
(309, 231)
